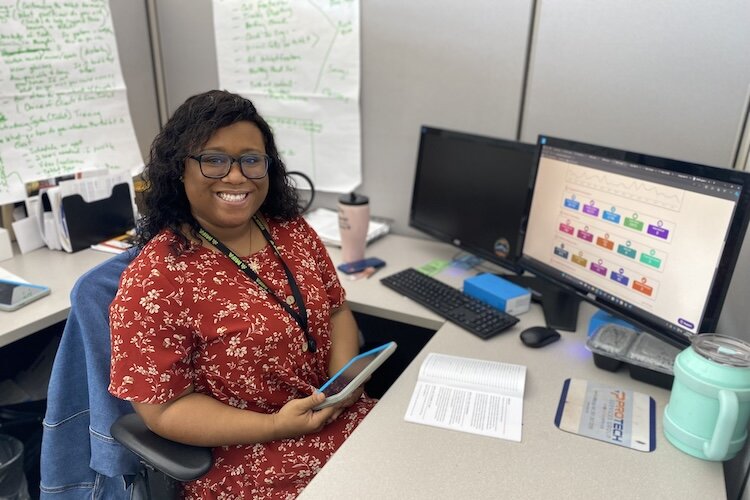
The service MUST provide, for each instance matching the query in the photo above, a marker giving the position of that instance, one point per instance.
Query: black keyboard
(467, 312)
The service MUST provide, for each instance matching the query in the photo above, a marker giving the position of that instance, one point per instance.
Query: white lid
(723, 349)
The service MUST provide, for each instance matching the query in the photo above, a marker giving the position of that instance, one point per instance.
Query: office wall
(448, 64)
(134, 48)
(668, 78)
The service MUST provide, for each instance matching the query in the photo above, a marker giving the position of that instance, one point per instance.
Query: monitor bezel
(727, 261)
(509, 263)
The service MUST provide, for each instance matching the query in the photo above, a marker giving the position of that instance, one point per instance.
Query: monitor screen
(472, 191)
(651, 239)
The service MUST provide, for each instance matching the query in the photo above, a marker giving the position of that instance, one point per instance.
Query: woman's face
(229, 202)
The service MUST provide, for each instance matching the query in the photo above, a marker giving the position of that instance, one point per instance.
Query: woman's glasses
(218, 165)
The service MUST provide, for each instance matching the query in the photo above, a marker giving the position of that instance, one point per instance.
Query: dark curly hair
(164, 203)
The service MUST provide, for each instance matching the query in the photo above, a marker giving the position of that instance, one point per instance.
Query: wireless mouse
(539, 336)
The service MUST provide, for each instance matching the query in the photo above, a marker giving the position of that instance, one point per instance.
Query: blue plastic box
(499, 293)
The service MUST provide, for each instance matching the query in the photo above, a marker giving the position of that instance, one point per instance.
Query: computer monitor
(649, 239)
(471, 191)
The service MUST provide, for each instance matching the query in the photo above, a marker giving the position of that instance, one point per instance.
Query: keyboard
(465, 311)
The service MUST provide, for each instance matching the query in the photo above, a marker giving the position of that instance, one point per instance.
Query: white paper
(27, 234)
(471, 395)
(63, 103)
(325, 222)
(299, 64)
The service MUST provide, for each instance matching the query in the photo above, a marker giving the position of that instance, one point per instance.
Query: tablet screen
(341, 381)
(366, 361)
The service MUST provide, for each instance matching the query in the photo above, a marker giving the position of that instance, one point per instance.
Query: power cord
(311, 187)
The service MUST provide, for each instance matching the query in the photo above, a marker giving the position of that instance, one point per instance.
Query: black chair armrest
(182, 462)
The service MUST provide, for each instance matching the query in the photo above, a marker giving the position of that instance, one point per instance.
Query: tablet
(353, 374)
(14, 295)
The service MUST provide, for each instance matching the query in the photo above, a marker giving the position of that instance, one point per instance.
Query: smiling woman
(232, 314)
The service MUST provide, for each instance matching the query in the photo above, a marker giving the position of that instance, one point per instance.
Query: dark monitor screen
(650, 239)
(471, 191)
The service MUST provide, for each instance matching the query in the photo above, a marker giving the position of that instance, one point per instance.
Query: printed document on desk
(325, 222)
(470, 395)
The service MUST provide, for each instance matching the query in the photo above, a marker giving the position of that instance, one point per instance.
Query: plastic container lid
(353, 199)
(723, 349)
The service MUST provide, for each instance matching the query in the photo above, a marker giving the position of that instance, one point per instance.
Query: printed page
(477, 412)
(469, 373)
(471, 395)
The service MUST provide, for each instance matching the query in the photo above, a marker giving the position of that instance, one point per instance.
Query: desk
(55, 269)
(387, 457)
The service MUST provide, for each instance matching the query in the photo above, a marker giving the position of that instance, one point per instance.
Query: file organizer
(89, 223)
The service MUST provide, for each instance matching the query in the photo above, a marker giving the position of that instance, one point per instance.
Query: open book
(470, 395)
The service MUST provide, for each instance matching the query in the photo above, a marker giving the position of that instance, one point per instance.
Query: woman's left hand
(346, 403)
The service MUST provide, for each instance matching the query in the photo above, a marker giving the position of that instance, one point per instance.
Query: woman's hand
(297, 417)
(346, 403)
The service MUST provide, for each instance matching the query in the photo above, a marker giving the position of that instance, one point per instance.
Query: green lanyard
(300, 314)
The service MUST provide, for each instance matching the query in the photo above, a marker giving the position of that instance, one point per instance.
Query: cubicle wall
(448, 64)
(668, 78)
(131, 24)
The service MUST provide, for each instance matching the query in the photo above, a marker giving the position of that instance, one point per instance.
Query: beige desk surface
(387, 457)
(55, 269)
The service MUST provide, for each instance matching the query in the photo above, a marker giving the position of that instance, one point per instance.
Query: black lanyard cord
(299, 314)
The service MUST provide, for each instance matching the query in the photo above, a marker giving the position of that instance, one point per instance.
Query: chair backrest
(80, 410)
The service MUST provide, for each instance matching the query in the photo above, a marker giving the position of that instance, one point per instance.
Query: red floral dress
(196, 319)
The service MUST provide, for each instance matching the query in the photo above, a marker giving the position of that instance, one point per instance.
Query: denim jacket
(80, 459)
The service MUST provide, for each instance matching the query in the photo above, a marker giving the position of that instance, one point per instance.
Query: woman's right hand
(297, 417)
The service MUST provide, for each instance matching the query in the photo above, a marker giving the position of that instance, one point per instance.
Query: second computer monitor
(651, 239)
(471, 191)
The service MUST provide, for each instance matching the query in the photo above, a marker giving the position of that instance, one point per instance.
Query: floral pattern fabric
(196, 319)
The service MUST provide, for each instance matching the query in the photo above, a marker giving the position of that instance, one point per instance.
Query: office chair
(80, 411)
(165, 462)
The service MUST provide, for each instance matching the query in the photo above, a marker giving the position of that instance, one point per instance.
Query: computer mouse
(539, 336)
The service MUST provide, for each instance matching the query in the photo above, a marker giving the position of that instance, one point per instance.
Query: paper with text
(470, 395)
(63, 103)
(299, 64)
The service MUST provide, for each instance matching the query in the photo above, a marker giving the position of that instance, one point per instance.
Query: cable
(312, 189)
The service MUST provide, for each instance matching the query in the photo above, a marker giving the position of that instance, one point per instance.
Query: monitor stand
(560, 307)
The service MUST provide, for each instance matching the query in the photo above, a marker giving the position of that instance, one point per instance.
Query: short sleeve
(326, 269)
(152, 345)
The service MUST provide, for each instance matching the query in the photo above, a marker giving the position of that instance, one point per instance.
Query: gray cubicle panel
(668, 78)
(134, 48)
(448, 64)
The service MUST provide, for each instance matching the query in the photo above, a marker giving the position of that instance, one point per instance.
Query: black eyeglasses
(218, 165)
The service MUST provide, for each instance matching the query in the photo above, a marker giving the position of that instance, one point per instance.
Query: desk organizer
(649, 359)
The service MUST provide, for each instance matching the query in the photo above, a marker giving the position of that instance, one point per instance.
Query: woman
(232, 314)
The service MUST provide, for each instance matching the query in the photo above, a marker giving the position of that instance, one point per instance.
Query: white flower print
(147, 301)
(194, 319)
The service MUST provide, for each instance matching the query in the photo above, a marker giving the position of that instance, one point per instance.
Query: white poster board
(299, 64)
(63, 104)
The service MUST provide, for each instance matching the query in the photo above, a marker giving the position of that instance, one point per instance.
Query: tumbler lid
(353, 199)
(723, 349)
